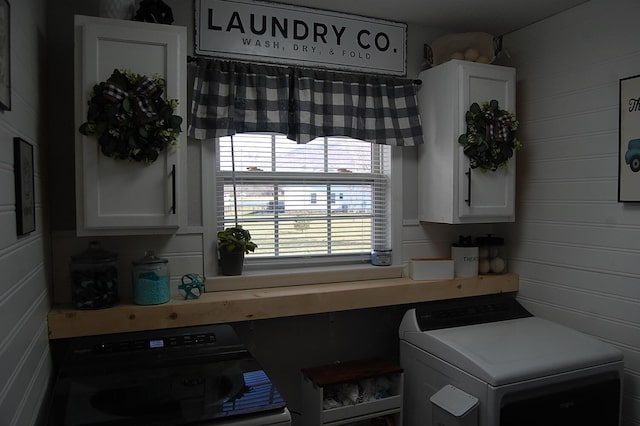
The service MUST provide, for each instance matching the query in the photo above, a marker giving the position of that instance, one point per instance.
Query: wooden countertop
(243, 305)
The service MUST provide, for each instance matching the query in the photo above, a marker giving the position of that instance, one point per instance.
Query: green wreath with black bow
(490, 139)
(130, 118)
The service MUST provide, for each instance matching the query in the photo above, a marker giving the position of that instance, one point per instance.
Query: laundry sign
(286, 34)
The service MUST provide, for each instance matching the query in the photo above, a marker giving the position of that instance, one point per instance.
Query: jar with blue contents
(151, 280)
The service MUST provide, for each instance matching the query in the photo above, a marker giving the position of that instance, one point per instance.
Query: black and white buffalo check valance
(231, 97)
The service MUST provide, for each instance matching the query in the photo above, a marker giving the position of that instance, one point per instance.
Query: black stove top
(168, 377)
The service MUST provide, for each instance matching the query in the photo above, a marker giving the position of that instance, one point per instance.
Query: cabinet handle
(173, 190)
(468, 200)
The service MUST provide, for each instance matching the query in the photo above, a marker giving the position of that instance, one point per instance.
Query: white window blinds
(324, 200)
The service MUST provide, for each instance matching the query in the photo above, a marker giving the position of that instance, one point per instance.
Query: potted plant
(233, 244)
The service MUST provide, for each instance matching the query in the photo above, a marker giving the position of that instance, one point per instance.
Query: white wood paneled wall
(576, 248)
(25, 362)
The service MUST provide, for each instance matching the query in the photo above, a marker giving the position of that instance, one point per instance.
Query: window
(325, 200)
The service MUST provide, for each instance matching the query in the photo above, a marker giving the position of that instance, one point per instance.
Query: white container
(454, 407)
(466, 261)
(117, 9)
(431, 269)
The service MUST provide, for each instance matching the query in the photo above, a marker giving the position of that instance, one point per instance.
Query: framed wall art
(629, 140)
(5, 56)
(25, 188)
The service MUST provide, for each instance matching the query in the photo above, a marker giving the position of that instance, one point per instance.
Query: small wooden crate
(317, 380)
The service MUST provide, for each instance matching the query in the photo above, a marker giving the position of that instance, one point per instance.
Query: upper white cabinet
(449, 190)
(117, 197)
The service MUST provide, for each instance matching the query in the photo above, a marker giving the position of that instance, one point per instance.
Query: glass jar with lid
(151, 280)
(94, 278)
(492, 257)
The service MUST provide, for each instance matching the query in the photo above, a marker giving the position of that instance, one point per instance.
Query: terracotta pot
(231, 262)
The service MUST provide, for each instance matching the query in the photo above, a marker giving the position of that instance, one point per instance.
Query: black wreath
(130, 118)
(490, 139)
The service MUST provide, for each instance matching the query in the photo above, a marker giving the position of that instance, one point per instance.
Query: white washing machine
(524, 370)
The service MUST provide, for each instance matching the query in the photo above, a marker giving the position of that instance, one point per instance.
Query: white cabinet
(117, 197)
(357, 380)
(449, 190)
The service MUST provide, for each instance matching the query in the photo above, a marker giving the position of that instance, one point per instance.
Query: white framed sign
(629, 140)
(280, 33)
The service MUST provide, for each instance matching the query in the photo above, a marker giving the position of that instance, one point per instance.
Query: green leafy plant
(236, 239)
(490, 138)
(234, 242)
(130, 118)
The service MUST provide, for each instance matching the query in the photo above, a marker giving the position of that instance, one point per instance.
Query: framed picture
(25, 188)
(5, 56)
(629, 134)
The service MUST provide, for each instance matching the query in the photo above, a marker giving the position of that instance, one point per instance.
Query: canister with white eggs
(492, 257)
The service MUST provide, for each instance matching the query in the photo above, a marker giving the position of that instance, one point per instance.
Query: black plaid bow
(144, 90)
(140, 94)
(497, 127)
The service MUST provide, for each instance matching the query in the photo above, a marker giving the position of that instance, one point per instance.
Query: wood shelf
(349, 371)
(243, 305)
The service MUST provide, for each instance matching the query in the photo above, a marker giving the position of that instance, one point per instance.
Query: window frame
(210, 256)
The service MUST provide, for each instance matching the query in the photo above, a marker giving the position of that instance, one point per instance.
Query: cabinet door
(118, 195)
(486, 194)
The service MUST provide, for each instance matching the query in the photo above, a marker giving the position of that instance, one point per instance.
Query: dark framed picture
(629, 143)
(25, 188)
(5, 56)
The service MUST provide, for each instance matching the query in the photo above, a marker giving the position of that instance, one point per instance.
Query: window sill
(243, 305)
(302, 276)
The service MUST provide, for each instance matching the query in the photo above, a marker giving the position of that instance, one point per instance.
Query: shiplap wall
(576, 248)
(25, 362)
